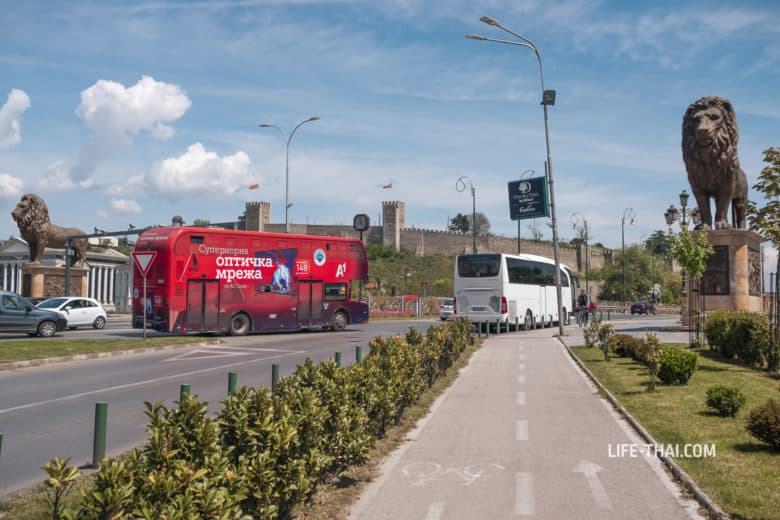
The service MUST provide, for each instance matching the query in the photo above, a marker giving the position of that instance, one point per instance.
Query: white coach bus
(492, 286)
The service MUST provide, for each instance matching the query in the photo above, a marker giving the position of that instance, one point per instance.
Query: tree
(766, 220)
(482, 224)
(641, 271)
(536, 233)
(200, 222)
(658, 243)
(460, 224)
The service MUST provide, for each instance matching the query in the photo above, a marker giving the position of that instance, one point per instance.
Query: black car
(643, 307)
(18, 315)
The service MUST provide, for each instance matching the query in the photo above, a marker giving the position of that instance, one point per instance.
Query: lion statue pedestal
(48, 281)
(732, 279)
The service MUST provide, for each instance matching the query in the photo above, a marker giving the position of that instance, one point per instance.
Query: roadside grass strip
(743, 475)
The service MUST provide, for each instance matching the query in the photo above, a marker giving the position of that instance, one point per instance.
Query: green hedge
(676, 366)
(742, 335)
(264, 454)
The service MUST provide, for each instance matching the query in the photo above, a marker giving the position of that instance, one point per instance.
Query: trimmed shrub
(716, 329)
(650, 353)
(763, 423)
(627, 345)
(676, 366)
(742, 335)
(726, 400)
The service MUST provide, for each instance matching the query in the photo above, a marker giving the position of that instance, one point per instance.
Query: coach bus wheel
(528, 322)
(339, 321)
(239, 325)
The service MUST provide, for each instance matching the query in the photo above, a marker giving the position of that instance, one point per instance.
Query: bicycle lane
(520, 434)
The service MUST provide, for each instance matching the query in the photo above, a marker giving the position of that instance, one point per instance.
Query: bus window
(335, 292)
(475, 266)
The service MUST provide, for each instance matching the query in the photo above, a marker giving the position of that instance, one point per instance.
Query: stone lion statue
(709, 149)
(32, 217)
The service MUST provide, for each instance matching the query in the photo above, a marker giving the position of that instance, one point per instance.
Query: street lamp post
(583, 230)
(629, 214)
(548, 98)
(287, 140)
(671, 215)
(460, 185)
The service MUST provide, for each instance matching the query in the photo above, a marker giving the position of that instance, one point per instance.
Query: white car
(447, 309)
(78, 311)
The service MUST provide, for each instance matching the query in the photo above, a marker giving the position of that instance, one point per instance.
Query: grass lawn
(38, 348)
(744, 476)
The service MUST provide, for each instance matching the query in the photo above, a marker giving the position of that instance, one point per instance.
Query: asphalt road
(48, 411)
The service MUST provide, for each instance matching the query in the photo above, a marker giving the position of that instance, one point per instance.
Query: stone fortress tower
(258, 214)
(393, 221)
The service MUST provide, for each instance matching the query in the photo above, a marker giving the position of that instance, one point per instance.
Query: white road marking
(521, 366)
(435, 511)
(590, 470)
(218, 351)
(520, 398)
(521, 357)
(521, 379)
(144, 382)
(524, 494)
(521, 430)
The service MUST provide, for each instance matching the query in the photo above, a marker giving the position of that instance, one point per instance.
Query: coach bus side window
(335, 292)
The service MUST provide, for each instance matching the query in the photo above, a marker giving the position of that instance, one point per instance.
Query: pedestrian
(582, 305)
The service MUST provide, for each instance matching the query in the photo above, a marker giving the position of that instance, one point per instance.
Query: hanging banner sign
(528, 198)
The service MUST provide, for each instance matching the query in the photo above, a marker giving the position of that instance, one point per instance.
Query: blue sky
(131, 112)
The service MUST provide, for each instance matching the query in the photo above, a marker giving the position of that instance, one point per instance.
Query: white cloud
(125, 206)
(199, 171)
(10, 114)
(110, 107)
(130, 186)
(101, 214)
(116, 113)
(10, 186)
(58, 179)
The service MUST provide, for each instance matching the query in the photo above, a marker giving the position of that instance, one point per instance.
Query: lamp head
(264, 125)
(684, 198)
(670, 215)
(313, 118)
(475, 37)
(488, 20)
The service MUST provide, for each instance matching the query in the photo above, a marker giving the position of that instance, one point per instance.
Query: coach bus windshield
(477, 266)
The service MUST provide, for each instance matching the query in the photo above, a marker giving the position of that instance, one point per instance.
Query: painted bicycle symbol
(424, 472)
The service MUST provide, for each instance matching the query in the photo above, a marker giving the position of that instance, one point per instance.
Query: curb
(701, 497)
(92, 355)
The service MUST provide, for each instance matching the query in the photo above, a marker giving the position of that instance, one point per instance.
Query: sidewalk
(521, 433)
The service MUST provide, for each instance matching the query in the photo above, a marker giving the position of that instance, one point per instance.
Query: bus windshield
(477, 266)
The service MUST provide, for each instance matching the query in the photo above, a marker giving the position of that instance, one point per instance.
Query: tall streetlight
(628, 214)
(582, 229)
(460, 185)
(287, 140)
(548, 98)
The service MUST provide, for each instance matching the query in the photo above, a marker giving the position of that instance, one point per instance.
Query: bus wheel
(239, 325)
(528, 321)
(340, 321)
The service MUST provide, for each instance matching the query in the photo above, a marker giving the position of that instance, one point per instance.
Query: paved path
(521, 434)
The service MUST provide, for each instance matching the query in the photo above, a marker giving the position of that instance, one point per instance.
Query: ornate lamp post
(548, 98)
(629, 214)
(671, 215)
(460, 185)
(287, 140)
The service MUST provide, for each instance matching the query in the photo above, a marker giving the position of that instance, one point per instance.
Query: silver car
(447, 309)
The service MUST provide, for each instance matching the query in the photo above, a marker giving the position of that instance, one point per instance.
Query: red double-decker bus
(209, 280)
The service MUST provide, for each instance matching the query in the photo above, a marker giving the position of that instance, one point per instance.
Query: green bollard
(232, 382)
(358, 354)
(601, 315)
(517, 323)
(487, 329)
(274, 376)
(479, 329)
(338, 359)
(183, 391)
(1, 443)
(99, 442)
(609, 316)
(498, 325)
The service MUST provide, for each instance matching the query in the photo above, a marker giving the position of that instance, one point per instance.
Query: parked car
(78, 311)
(18, 315)
(643, 307)
(447, 309)
(34, 300)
